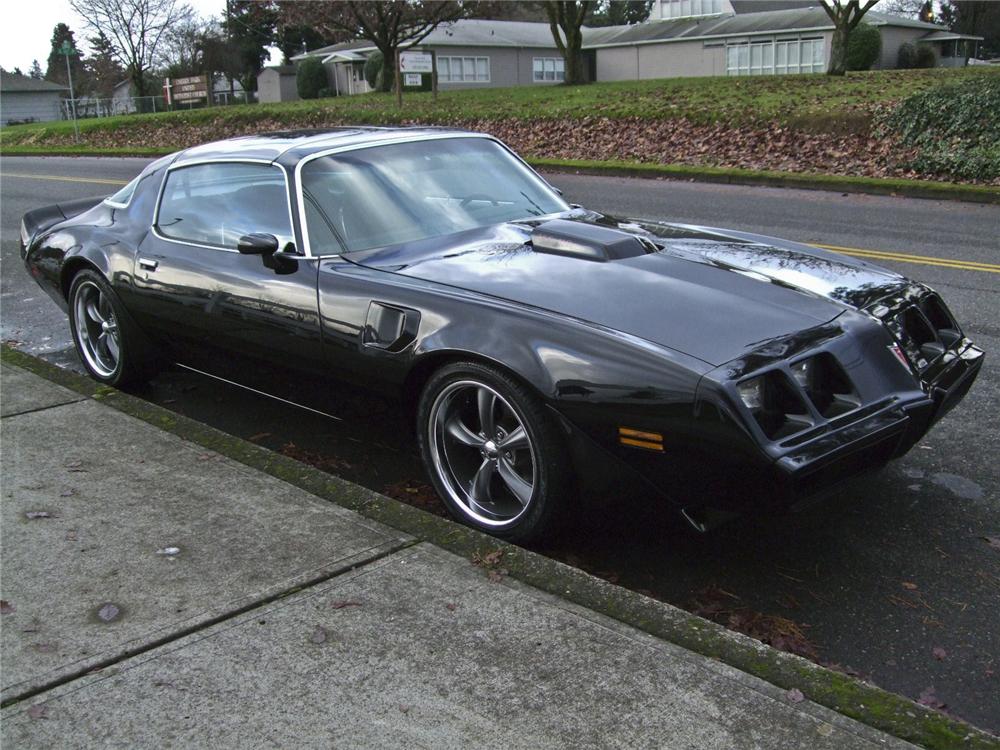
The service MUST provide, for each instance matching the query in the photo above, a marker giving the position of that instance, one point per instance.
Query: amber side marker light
(652, 441)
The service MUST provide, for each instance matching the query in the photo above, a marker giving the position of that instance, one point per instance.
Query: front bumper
(888, 431)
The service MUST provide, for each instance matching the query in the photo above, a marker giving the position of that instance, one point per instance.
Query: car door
(195, 288)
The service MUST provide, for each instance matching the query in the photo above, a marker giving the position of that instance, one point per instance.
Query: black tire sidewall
(124, 371)
(550, 456)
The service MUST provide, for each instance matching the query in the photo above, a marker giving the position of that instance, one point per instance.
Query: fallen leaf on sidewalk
(795, 696)
(6, 607)
(67, 493)
(38, 711)
(71, 535)
(44, 648)
(451, 606)
(939, 653)
(169, 551)
(33, 515)
(344, 603)
(108, 612)
(318, 635)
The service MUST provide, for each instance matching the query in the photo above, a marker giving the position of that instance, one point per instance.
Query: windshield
(386, 195)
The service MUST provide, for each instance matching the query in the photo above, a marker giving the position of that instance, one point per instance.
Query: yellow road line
(98, 180)
(927, 260)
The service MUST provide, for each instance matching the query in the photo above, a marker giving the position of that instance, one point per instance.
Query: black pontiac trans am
(538, 344)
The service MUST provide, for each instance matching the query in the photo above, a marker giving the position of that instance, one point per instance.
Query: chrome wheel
(96, 329)
(482, 453)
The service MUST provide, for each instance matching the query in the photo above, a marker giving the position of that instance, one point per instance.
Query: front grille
(924, 330)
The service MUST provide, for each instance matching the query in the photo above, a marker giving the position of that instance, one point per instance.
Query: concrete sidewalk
(159, 593)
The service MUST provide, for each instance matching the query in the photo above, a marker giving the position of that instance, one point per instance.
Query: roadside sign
(412, 79)
(416, 62)
(190, 88)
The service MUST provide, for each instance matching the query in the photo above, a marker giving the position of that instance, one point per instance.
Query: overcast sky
(26, 29)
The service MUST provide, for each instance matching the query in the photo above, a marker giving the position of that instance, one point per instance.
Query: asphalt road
(894, 578)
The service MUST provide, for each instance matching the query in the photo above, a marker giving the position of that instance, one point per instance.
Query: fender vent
(585, 241)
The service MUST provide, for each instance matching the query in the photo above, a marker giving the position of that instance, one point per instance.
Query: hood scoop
(585, 241)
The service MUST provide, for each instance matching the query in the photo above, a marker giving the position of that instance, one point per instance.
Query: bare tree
(135, 29)
(845, 16)
(388, 24)
(566, 18)
(904, 8)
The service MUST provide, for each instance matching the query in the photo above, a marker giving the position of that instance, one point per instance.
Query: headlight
(802, 372)
(752, 393)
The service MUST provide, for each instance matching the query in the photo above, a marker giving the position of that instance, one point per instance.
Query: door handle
(147, 264)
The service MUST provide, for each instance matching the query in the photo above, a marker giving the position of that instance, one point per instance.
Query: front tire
(495, 455)
(109, 344)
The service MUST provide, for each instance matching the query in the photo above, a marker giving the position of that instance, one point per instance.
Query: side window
(123, 196)
(216, 204)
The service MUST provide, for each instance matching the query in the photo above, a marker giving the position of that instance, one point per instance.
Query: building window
(775, 57)
(463, 69)
(689, 8)
(548, 69)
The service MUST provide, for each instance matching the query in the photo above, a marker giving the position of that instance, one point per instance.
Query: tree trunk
(574, 61)
(838, 51)
(138, 82)
(388, 80)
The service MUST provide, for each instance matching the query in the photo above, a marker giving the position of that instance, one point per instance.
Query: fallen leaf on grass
(795, 696)
(258, 436)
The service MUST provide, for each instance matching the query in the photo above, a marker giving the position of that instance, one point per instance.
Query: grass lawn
(818, 103)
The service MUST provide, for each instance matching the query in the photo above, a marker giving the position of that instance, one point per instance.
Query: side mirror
(258, 244)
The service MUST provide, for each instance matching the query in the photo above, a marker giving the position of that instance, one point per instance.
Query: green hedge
(864, 46)
(310, 78)
(955, 128)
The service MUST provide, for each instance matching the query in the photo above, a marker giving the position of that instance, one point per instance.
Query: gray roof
(280, 69)
(11, 82)
(743, 24)
(467, 32)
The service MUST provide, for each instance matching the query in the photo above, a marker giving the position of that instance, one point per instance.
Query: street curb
(868, 704)
(926, 189)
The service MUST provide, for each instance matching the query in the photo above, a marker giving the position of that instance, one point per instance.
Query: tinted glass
(386, 195)
(216, 204)
(123, 196)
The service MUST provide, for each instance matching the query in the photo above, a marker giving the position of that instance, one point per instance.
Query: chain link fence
(89, 107)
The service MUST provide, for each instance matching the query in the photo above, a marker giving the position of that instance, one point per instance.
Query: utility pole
(67, 49)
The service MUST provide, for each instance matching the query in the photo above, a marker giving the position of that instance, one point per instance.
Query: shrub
(926, 57)
(864, 46)
(953, 128)
(310, 78)
(907, 56)
(373, 69)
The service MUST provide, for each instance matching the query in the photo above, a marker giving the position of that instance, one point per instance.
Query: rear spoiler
(40, 219)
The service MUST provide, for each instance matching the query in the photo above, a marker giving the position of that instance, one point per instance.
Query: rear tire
(494, 453)
(109, 343)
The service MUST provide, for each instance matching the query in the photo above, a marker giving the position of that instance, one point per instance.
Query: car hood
(708, 293)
